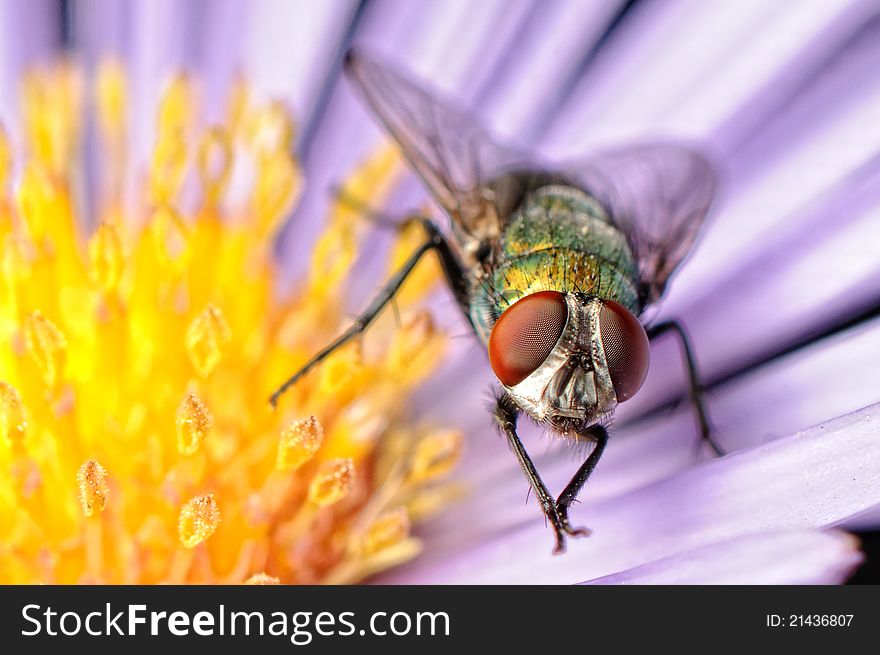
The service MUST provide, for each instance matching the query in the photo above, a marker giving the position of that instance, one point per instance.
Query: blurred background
(782, 292)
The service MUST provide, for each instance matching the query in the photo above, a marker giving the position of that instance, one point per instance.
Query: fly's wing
(446, 147)
(658, 196)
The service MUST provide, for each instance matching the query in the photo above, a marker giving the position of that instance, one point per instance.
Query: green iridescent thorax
(559, 239)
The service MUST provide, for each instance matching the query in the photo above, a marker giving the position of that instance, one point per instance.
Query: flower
(778, 294)
(136, 438)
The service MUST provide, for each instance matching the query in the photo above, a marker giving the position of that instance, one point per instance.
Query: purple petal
(684, 68)
(535, 69)
(289, 48)
(787, 183)
(812, 385)
(30, 33)
(771, 559)
(813, 479)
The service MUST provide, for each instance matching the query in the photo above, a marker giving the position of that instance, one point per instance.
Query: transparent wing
(658, 195)
(446, 147)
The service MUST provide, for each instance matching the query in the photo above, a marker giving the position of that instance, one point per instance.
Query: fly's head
(568, 359)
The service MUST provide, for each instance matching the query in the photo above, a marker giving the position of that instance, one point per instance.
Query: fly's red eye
(627, 352)
(525, 334)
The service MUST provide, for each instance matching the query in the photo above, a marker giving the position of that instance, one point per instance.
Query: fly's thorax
(572, 387)
(566, 216)
(559, 239)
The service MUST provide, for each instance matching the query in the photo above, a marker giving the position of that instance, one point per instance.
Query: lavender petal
(770, 559)
(813, 479)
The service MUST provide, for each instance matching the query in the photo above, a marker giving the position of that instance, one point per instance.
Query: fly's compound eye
(525, 335)
(627, 352)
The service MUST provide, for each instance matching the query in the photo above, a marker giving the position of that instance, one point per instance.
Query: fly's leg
(599, 434)
(695, 389)
(398, 223)
(506, 414)
(453, 271)
(374, 216)
(435, 241)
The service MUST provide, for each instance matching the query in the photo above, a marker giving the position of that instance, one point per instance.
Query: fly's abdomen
(560, 239)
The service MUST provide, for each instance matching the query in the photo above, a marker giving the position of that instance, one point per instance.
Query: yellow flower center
(138, 357)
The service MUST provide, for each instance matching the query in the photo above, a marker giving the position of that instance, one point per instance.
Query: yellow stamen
(177, 106)
(215, 163)
(206, 337)
(193, 424)
(435, 455)
(332, 482)
(112, 98)
(168, 167)
(416, 347)
(105, 253)
(51, 107)
(262, 579)
(389, 529)
(93, 489)
(13, 420)
(340, 372)
(272, 130)
(37, 200)
(336, 250)
(46, 345)
(199, 518)
(276, 189)
(237, 105)
(299, 443)
(170, 239)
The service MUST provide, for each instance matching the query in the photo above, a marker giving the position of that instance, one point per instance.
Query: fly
(552, 266)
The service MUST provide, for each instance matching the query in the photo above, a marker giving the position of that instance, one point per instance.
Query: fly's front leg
(453, 271)
(435, 241)
(599, 434)
(695, 388)
(374, 216)
(506, 414)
